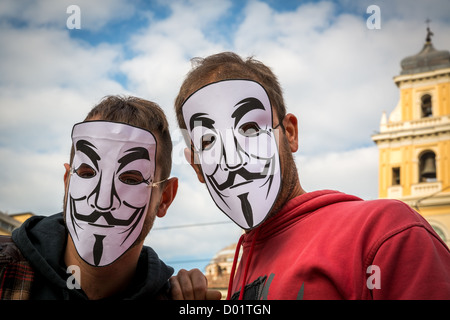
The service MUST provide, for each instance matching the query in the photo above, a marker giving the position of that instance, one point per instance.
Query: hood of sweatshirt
(293, 211)
(42, 241)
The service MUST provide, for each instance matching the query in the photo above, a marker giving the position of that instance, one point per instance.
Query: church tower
(414, 140)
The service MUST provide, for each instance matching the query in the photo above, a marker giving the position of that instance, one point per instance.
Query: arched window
(396, 176)
(427, 167)
(427, 110)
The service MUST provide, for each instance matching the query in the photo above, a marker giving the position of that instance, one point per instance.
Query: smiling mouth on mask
(107, 216)
(244, 173)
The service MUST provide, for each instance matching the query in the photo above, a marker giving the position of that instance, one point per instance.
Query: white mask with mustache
(109, 189)
(231, 129)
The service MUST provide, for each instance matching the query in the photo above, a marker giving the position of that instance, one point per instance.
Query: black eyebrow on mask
(244, 107)
(135, 154)
(88, 149)
(198, 119)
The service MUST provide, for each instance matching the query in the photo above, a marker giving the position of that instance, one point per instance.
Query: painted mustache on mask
(244, 173)
(107, 215)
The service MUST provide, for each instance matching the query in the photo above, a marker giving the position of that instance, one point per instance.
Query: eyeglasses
(130, 177)
(155, 184)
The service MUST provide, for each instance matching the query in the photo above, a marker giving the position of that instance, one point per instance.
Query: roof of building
(224, 255)
(8, 223)
(428, 59)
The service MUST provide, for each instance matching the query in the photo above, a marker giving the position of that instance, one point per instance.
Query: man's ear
(290, 125)
(168, 195)
(193, 160)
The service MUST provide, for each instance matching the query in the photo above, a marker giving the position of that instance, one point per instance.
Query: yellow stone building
(219, 268)
(414, 140)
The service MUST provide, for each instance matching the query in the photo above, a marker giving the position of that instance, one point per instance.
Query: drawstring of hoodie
(233, 269)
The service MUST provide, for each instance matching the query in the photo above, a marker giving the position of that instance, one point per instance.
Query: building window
(395, 176)
(427, 167)
(427, 110)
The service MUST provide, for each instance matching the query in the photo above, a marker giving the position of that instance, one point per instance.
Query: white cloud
(49, 13)
(40, 57)
(329, 66)
(31, 181)
(48, 82)
(353, 172)
(164, 48)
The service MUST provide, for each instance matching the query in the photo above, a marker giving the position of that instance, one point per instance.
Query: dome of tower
(428, 59)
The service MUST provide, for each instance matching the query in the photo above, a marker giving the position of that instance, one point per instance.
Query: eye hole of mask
(132, 177)
(85, 171)
(208, 141)
(249, 129)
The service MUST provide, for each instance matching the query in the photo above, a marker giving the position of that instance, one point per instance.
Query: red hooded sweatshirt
(330, 245)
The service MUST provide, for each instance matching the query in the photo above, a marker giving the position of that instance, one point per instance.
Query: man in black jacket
(116, 184)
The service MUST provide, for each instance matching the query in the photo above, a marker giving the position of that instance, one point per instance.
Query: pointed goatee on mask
(109, 193)
(231, 129)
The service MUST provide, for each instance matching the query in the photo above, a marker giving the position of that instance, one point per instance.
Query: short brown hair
(225, 66)
(140, 113)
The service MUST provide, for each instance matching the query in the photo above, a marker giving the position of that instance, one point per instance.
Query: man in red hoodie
(297, 245)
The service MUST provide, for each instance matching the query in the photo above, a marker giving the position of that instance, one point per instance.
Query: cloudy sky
(335, 71)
